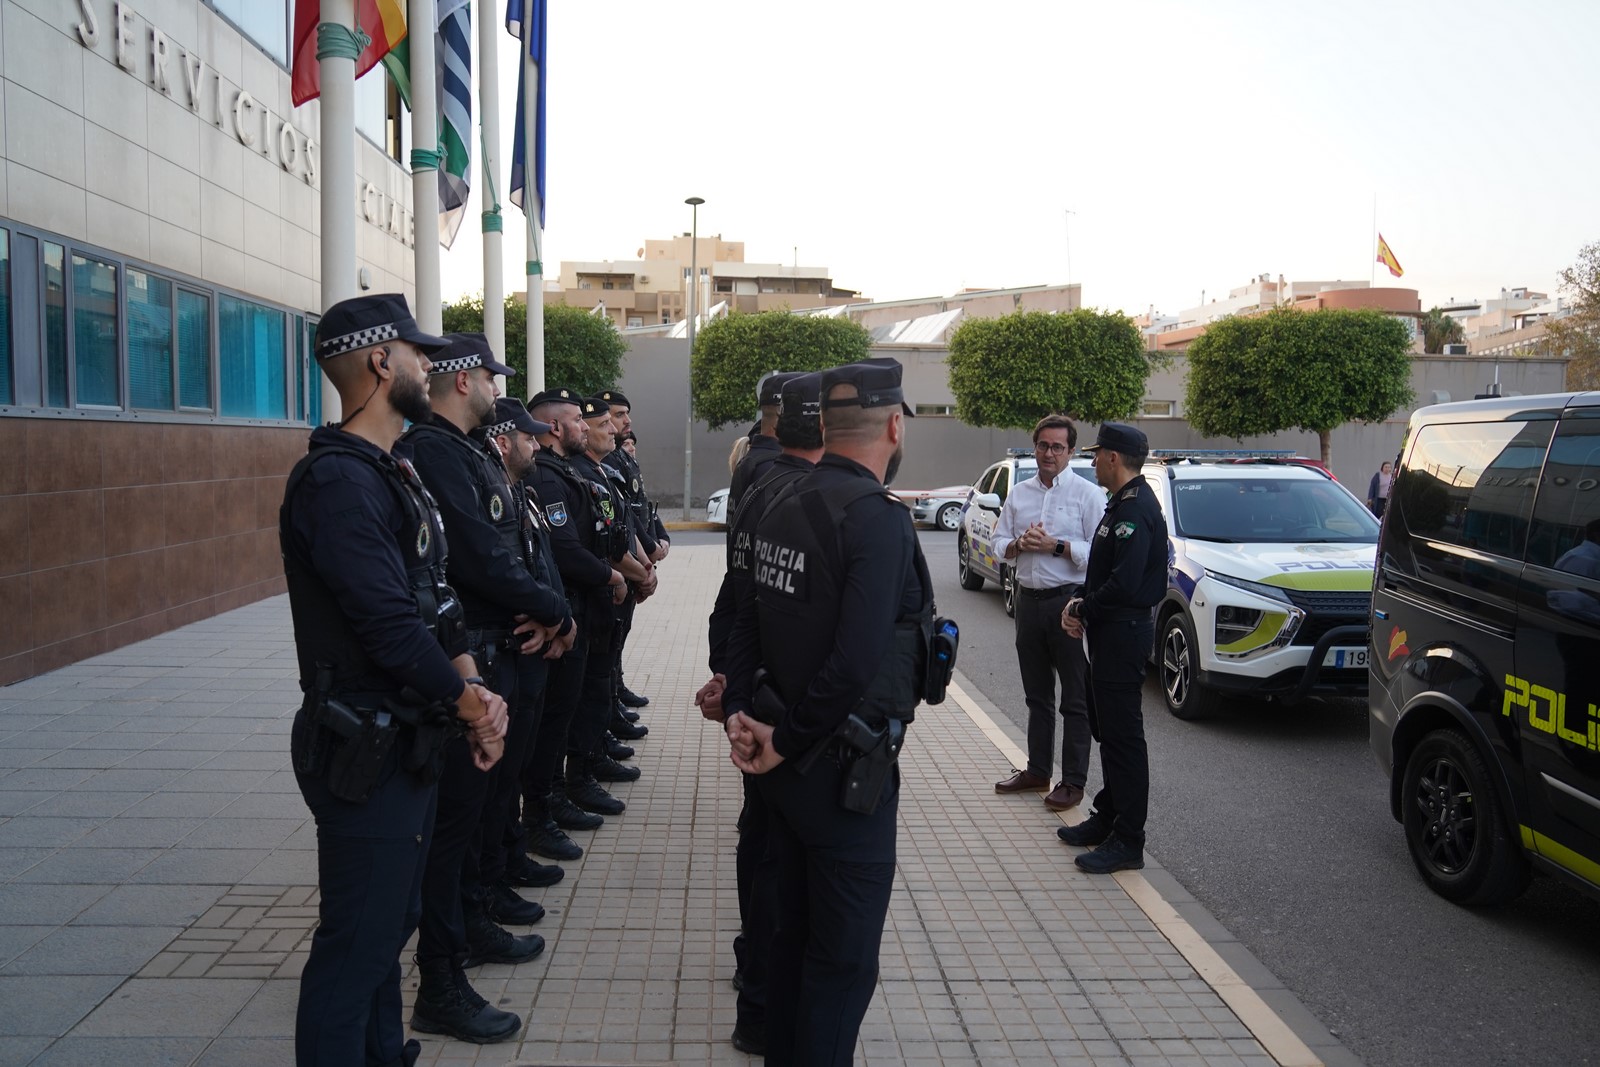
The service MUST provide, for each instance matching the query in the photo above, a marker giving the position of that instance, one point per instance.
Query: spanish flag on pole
(380, 25)
(1386, 257)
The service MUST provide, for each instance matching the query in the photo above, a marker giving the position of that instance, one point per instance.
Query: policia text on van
(1485, 651)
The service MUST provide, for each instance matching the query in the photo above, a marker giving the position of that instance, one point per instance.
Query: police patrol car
(976, 560)
(1269, 579)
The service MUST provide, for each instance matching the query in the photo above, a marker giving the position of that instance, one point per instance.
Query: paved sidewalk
(157, 887)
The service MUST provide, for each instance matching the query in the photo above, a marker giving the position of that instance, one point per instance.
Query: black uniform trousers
(1045, 653)
(597, 702)
(624, 628)
(451, 874)
(833, 871)
(563, 687)
(501, 831)
(369, 869)
(758, 906)
(1119, 651)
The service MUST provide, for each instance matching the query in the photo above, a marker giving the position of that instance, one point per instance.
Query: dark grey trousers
(1045, 654)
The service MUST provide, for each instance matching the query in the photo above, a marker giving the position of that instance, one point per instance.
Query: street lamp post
(694, 203)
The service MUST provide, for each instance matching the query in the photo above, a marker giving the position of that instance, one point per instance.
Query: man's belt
(1046, 593)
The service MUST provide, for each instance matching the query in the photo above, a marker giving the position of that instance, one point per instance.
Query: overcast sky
(919, 148)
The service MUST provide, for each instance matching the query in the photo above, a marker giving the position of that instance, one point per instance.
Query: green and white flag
(453, 56)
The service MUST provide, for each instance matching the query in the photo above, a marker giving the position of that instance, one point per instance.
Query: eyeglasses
(1050, 448)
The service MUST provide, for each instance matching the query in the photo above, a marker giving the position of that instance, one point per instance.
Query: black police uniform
(1127, 577)
(598, 702)
(469, 481)
(763, 449)
(646, 526)
(364, 556)
(576, 533)
(844, 601)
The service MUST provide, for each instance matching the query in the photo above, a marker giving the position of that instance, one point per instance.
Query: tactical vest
(898, 685)
(595, 534)
(328, 641)
(742, 532)
(615, 536)
(495, 503)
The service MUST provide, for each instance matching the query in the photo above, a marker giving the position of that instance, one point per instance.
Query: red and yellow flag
(1386, 257)
(380, 25)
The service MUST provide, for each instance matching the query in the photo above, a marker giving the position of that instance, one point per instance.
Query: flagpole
(422, 25)
(1372, 268)
(494, 284)
(337, 50)
(532, 208)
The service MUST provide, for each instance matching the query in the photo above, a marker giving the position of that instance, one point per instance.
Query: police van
(1484, 697)
(976, 559)
(1269, 579)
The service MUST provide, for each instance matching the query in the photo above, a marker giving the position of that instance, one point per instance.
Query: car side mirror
(988, 501)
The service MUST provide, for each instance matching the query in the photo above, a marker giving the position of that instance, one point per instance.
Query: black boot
(569, 816)
(630, 698)
(606, 769)
(520, 870)
(627, 714)
(548, 840)
(627, 731)
(446, 1004)
(616, 749)
(488, 943)
(507, 907)
(586, 793)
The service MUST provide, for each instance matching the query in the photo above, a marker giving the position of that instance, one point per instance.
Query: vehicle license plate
(1344, 659)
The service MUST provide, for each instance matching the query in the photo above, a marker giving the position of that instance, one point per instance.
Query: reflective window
(149, 341)
(55, 325)
(194, 350)
(1269, 510)
(1472, 485)
(266, 22)
(1566, 522)
(5, 317)
(94, 332)
(250, 340)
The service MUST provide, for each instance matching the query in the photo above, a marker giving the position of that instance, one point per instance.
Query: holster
(870, 755)
(766, 704)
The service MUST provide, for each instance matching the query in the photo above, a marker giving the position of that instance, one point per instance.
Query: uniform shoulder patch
(1128, 494)
(1123, 530)
(556, 513)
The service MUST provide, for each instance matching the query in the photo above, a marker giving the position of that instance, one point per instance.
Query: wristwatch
(1061, 548)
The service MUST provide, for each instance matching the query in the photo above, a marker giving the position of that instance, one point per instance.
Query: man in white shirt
(1045, 528)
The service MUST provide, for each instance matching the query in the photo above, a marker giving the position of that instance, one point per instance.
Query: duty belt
(1046, 593)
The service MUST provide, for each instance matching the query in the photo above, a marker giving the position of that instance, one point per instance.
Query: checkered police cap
(351, 325)
(465, 351)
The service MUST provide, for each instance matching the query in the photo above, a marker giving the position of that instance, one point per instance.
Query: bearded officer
(844, 610)
(1127, 578)
(375, 628)
(460, 916)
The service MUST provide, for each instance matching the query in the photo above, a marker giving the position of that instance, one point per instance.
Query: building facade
(159, 284)
(653, 288)
(1174, 333)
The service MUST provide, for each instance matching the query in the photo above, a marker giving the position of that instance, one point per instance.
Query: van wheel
(1008, 591)
(1180, 670)
(1455, 827)
(964, 573)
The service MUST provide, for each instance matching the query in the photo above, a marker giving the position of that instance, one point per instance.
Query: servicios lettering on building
(147, 53)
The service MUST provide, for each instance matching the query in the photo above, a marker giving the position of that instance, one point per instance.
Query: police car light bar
(1019, 452)
(1221, 453)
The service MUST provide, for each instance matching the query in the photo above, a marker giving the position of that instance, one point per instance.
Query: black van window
(1472, 484)
(1568, 513)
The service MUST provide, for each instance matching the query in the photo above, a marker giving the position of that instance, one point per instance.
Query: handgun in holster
(875, 750)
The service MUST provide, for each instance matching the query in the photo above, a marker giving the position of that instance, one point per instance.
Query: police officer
(652, 537)
(578, 541)
(459, 914)
(503, 859)
(844, 606)
(764, 447)
(799, 432)
(587, 762)
(381, 651)
(1127, 577)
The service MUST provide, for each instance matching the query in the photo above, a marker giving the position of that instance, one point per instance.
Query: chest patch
(556, 513)
(424, 541)
(1102, 530)
(1123, 530)
(497, 507)
(780, 568)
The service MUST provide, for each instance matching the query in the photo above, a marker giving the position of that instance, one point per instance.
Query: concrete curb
(1288, 1031)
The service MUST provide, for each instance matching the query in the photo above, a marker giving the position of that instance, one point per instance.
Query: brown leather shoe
(1063, 797)
(1022, 782)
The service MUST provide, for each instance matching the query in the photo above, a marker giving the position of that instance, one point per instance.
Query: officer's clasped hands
(751, 742)
(708, 698)
(1070, 622)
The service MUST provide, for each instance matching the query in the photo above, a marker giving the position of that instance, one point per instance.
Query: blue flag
(525, 20)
